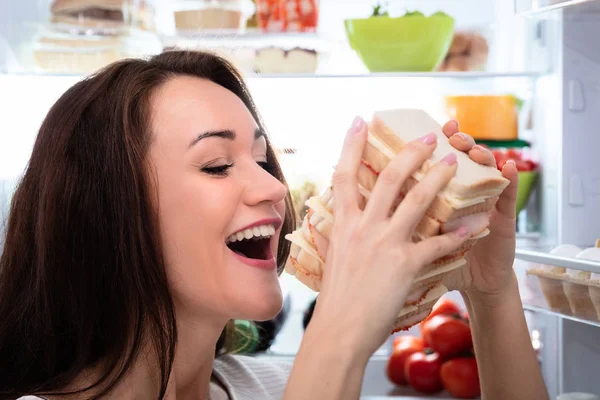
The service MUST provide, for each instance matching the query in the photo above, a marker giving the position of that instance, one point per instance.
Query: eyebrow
(225, 134)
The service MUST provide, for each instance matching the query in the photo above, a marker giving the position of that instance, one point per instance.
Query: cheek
(194, 216)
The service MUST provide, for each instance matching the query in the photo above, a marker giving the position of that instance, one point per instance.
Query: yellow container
(485, 117)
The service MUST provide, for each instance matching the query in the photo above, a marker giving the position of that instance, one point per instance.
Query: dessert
(551, 279)
(576, 287)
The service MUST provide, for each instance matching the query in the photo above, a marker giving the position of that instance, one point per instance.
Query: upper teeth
(263, 231)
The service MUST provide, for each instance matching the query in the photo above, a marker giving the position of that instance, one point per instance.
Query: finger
(507, 202)
(344, 181)
(392, 178)
(450, 128)
(412, 209)
(439, 246)
(462, 141)
(482, 156)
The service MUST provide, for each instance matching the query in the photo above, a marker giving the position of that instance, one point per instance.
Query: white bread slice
(472, 181)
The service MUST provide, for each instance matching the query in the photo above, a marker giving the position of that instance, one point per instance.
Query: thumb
(507, 202)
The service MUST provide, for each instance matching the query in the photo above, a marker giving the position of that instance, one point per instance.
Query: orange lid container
(485, 117)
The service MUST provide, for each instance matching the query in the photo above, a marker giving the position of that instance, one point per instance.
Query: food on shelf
(207, 15)
(466, 200)
(528, 172)
(414, 362)
(576, 286)
(468, 52)
(287, 15)
(412, 42)
(449, 335)
(443, 306)
(422, 371)
(551, 278)
(61, 52)
(594, 289)
(102, 14)
(85, 35)
(273, 60)
(486, 117)
(404, 347)
(461, 378)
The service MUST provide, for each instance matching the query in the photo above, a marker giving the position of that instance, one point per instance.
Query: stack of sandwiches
(467, 200)
(84, 35)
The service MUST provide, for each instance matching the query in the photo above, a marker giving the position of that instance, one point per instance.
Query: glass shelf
(543, 310)
(472, 75)
(539, 256)
(536, 7)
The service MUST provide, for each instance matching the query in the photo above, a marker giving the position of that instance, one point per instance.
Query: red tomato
(422, 371)
(460, 378)
(499, 155)
(443, 306)
(448, 335)
(523, 165)
(408, 339)
(514, 154)
(402, 350)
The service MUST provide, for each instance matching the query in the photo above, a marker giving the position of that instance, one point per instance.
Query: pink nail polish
(450, 159)
(462, 231)
(429, 139)
(357, 125)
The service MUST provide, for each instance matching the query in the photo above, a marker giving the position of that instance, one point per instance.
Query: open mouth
(253, 243)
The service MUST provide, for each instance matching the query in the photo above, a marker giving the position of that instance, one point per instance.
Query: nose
(261, 187)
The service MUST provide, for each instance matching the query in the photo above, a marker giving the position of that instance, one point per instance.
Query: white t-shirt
(237, 377)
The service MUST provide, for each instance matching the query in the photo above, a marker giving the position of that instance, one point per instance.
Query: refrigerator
(543, 52)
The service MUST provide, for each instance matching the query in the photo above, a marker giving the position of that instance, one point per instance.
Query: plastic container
(212, 15)
(486, 117)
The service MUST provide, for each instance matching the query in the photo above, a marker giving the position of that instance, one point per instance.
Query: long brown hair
(82, 275)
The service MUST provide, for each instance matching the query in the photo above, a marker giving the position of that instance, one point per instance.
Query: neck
(190, 375)
(195, 355)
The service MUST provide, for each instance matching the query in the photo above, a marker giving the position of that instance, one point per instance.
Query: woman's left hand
(489, 270)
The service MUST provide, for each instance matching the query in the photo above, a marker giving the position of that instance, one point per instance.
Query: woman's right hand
(372, 260)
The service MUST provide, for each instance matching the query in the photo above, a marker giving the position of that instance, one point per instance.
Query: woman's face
(220, 211)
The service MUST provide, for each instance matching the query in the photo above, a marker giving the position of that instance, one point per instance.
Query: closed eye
(219, 170)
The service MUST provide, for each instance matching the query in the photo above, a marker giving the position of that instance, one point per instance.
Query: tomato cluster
(442, 358)
(522, 163)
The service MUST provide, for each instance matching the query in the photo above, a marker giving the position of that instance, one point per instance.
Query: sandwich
(111, 15)
(467, 200)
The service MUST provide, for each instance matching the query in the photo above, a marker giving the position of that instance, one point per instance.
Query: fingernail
(479, 147)
(461, 135)
(510, 162)
(450, 159)
(455, 123)
(462, 231)
(357, 125)
(430, 138)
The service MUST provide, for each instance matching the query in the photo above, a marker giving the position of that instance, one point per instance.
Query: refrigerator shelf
(541, 257)
(473, 75)
(538, 309)
(535, 7)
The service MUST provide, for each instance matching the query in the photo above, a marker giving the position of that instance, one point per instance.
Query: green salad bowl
(527, 180)
(411, 43)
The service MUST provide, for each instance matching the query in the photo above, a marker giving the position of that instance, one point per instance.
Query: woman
(118, 277)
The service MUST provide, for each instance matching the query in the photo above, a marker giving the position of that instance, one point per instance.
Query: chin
(261, 306)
